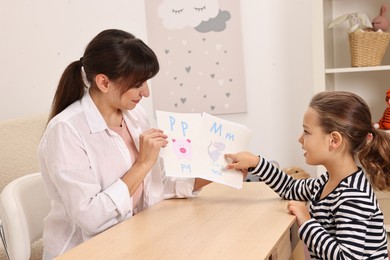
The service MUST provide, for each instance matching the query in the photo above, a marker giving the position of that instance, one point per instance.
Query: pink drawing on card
(182, 148)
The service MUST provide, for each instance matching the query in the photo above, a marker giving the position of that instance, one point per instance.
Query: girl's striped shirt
(346, 224)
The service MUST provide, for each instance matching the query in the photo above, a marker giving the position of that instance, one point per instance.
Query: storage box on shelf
(368, 48)
(336, 48)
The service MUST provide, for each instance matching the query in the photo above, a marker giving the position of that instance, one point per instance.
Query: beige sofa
(19, 140)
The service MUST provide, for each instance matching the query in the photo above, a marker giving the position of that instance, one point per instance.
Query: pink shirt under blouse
(123, 131)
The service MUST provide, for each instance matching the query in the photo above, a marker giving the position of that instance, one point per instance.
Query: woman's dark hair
(119, 55)
(349, 114)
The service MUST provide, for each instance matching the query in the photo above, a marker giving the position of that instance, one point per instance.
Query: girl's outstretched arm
(242, 160)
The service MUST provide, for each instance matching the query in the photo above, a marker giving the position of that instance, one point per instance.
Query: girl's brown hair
(117, 54)
(350, 115)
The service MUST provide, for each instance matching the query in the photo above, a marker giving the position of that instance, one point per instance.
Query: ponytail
(375, 159)
(70, 88)
(119, 55)
(350, 115)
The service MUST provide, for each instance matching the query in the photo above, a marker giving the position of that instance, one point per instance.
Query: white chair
(19, 139)
(23, 206)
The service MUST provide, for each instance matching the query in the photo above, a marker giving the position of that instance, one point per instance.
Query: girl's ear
(102, 82)
(335, 139)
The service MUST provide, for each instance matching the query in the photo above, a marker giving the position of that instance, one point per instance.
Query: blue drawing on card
(217, 147)
(184, 125)
(218, 130)
(182, 147)
(215, 150)
(216, 171)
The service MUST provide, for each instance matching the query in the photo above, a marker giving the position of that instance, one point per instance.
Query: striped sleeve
(355, 229)
(283, 184)
(347, 224)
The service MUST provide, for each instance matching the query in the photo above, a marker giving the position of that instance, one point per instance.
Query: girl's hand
(150, 143)
(299, 209)
(244, 174)
(242, 161)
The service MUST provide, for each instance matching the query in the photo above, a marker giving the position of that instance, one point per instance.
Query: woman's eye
(200, 9)
(177, 11)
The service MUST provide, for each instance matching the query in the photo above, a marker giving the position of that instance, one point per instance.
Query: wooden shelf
(357, 69)
(332, 60)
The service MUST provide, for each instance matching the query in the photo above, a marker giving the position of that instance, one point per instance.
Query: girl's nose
(300, 139)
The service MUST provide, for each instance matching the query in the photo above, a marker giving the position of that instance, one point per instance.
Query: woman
(98, 155)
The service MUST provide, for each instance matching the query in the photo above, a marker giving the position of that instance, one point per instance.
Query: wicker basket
(367, 48)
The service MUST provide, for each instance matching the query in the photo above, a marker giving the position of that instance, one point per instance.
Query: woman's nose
(145, 90)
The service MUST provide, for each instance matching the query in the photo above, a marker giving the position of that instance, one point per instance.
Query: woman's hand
(242, 161)
(299, 209)
(150, 143)
(200, 183)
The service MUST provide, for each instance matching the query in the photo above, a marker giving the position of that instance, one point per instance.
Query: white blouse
(82, 162)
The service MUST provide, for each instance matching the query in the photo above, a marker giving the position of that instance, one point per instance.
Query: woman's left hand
(151, 141)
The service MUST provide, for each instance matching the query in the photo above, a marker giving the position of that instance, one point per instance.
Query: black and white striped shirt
(346, 224)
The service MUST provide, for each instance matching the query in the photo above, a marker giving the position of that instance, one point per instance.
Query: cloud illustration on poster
(202, 69)
(178, 14)
(217, 24)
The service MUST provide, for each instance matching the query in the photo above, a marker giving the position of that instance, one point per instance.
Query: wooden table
(220, 223)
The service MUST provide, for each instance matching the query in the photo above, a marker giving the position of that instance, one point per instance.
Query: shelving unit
(331, 57)
(356, 69)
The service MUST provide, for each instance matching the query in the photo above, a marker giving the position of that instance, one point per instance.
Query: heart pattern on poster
(203, 69)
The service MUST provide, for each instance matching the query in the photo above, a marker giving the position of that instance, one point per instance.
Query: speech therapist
(98, 155)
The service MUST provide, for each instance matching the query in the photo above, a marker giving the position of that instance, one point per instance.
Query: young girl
(344, 220)
(98, 155)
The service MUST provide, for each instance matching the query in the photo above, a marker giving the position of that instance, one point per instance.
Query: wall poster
(199, 46)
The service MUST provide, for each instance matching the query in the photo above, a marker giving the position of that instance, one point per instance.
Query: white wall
(40, 38)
